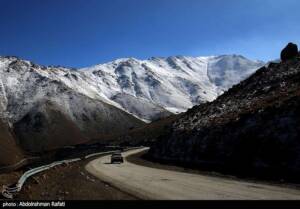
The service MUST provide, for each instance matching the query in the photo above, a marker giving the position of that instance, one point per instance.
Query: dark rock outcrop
(252, 129)
(289, 52)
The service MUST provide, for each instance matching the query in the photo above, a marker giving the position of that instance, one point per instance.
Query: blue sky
(79, 33)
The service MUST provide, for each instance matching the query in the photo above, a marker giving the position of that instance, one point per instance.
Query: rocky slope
(252, 128)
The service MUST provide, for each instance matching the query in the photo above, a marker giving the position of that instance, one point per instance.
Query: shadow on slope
(10, 152)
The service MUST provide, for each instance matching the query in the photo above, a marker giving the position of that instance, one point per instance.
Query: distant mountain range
(50, 107)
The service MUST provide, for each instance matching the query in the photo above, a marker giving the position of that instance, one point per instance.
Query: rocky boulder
(289, 52)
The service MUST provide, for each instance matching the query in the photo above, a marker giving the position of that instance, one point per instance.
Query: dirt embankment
(66, 182)
(9, 178)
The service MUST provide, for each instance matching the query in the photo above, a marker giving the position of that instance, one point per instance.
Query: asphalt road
(158, 184)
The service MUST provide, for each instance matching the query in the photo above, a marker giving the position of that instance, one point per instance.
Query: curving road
(157, 184)
(9, 192)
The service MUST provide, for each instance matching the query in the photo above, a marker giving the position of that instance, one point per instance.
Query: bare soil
(9, 178)
(66, 182)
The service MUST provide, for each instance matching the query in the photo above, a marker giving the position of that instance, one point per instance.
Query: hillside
(10, 152)
(253, 128)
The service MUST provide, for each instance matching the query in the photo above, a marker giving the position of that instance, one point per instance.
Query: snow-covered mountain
(147, 89)
(174, 84)
(51, 107)
(38, 101)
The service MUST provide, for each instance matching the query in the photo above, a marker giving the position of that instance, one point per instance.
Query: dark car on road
(116, 158)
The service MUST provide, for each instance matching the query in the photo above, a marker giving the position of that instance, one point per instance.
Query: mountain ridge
(186, 75)
(98, 82)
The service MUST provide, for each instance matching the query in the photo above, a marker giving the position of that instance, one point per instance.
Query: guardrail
(9, 192)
